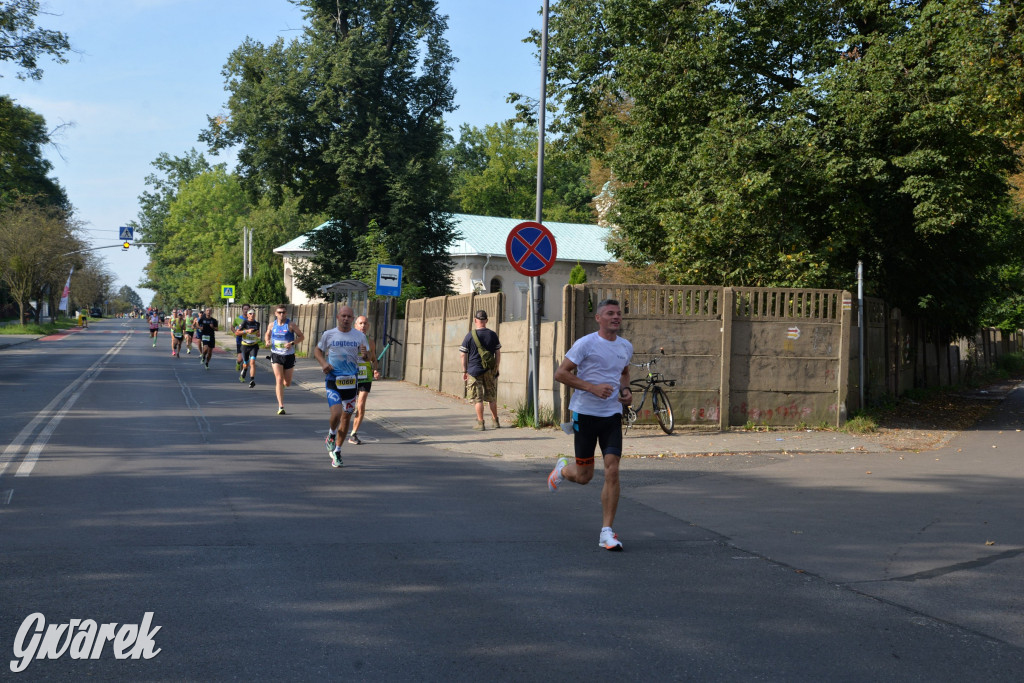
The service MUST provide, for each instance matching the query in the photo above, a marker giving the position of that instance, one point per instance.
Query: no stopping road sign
(531, 249)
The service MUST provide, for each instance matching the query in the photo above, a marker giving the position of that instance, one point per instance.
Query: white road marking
(11, 452)
(78, 387)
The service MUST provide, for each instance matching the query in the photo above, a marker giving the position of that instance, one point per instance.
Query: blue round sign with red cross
(531, 249)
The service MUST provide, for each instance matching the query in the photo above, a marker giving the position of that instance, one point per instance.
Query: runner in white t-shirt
(339, 353)
(601, 382)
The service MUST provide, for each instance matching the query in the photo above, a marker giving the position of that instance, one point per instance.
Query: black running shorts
(249, 351)
(285, 359)
(590, 431)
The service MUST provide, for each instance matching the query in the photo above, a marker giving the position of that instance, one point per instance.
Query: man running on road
(207, 326)
(177, 333)
(248, 333)
(368, 371)
(601, 382)
(281, 337)
(338, 352)
(235, 324)
(190, 329)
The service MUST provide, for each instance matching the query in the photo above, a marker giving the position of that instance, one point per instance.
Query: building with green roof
(479, 262)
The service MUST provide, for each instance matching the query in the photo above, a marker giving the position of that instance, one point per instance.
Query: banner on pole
(65, 298)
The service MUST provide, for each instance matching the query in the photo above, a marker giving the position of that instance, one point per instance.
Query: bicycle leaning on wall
(660, 405)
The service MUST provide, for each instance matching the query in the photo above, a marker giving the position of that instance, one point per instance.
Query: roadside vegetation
(38, 328)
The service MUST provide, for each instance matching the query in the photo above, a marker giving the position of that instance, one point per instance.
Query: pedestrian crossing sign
(227, 291)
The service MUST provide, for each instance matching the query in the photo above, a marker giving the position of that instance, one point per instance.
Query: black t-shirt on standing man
(488, 340)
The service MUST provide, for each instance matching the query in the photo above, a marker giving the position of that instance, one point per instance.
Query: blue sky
(148, 72)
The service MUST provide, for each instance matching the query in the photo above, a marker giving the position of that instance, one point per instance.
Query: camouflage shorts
(483, 389)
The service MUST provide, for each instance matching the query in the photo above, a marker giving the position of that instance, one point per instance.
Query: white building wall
(295, 295)
(517, 286)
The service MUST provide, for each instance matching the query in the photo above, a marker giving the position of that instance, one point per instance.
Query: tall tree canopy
(349, 117)
(24, 171)
(130, 297)
(495, 174)
(194, 214)
(776, 143)
(36, 245)
(22, 42)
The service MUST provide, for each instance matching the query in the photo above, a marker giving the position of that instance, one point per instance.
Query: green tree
(90, 284)
(24, 171)
(35, 251)
(578, 275)
(204, 221)
(130, 296)
(778, 143)
(155, 206)
(349, 118)
(272, 226)
(495, 174)
(22, 42)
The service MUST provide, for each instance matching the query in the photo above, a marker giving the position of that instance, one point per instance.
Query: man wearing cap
(481, 356)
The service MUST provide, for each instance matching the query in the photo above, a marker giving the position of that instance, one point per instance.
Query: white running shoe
(556, 478)
(336, 459)
(609, 541)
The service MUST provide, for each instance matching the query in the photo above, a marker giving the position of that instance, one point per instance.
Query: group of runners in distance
(597, 367)
(344, 353)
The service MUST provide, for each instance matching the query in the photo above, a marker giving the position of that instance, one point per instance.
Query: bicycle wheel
(662, 410)
(628, 417)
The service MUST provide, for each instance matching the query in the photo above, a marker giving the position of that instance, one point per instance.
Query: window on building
(495, 285)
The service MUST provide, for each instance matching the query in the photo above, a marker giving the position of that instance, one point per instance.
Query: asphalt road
(132, 482)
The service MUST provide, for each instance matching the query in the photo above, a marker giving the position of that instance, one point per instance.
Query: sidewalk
(15, 339)
(430, 417)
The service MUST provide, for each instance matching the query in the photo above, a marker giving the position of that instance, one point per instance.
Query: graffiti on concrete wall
(709, 412)
(792, 411)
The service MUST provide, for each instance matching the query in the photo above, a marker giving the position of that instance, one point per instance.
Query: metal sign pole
(533, 381)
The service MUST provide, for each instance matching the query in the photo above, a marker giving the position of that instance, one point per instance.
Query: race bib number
(280, 345)
(345, 382)
(206, 337)
(365, 372)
